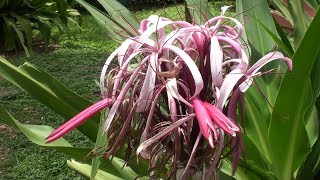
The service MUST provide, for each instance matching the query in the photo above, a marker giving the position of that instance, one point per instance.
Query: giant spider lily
(170, 88)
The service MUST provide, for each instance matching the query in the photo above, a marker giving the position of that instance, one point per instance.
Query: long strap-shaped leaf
(256, 122)
(38, 133)
(250, 12)
(110, 27)
(11, 23)
(287, 134)
(121, 15)
(85, 169)
(241, 173)
(301, 20)
(283, 8)
(256, 35)
(50, 92)
(199, 11)
(314, 4)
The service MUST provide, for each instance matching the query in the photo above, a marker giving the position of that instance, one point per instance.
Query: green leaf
(111, 28)
(62, 6)
(260, 43)
(27, 28)
(287, 135)
(283, 8)
(38, 133)
(241, 173)
(256, 124)
(244, 38)
(50, 92)
(53, 94)
(307, 169)
(9, 37)
(314, 4)
(199, 11)
(316, 168)
(45, 32)
(301, 20)
(284, 37)
(283, 46)
(3, 3)
(252, 153)
(85, 170)
(100, 142)
(314, 78)
(12, 23)
(121, 15)
(125, 171)
(312, 126)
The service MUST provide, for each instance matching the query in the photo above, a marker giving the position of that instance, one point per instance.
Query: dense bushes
(19, 18)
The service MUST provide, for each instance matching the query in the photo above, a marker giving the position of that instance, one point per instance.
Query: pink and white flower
(177, 78)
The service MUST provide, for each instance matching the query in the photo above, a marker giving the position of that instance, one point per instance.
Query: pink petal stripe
(219, 18)
(78, 119)
(211, 140)
(123, 69)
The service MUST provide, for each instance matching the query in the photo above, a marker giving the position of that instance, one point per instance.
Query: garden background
(74, 53)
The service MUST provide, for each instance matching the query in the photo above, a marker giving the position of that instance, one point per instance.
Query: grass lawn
(76, 62)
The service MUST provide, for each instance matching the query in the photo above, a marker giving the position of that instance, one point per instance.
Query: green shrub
(19, 18)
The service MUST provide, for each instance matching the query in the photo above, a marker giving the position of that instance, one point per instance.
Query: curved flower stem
(193, 152)
(217, 156)
(173, 114)
(145, 133)
(123, 92)
(164, 132)
(122, 132)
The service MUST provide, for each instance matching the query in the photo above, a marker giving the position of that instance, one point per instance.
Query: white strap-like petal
(172, 88)
(123, 48)
(216, 58)
(266, 59)
(227, 86)
(192, 67)
(224, 9)
(148, 85)
(246, 84)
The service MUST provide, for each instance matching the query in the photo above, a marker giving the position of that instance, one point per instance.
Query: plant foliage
(19, 18)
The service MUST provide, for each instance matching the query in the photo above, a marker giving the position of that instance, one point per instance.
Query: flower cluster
(174, 84)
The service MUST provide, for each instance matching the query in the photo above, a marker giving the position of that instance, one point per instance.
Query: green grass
(77, 63)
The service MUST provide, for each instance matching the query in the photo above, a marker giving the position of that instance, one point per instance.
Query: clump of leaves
(19, 18)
